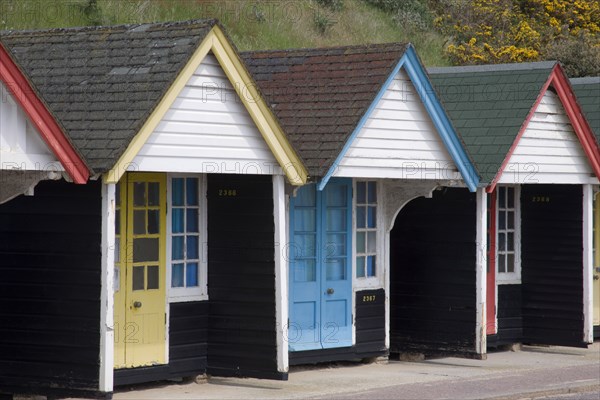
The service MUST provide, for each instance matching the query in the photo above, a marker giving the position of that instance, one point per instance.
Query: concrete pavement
(532, 372)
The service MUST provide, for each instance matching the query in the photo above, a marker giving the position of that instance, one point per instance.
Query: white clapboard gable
(207, 130)
(549, 150)
(398, 140)
(21, 146)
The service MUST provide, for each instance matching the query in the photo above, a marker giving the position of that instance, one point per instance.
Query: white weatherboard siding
(207, 130)
(398, 140)
(21, 146)
(549, 150)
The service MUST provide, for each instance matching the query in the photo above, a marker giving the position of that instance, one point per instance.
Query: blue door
(320, 267)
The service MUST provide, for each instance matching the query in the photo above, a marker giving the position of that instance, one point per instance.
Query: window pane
(501, 241)
(117, 250)
(177, 248)
(510, 193)
(371, 242)
(511, 220)
(336, 220)
(192, 220)
(152, 277)
(117, 280)
(118, 222)
(371, 266)
(139, 194)
(145, 249)
(177, 275)
(336, 245)
(118, 194)
(304, 246)
(191, 276)
(177, 191)
(306, 196)
(372, 192)
(336, 196)
(191, 191)
(372, 217)
(502, 220)
(502, 197)
(360, 267)
(139, 222)
(138, 278)
(361, 217)
(510, 241)
(192, 248)
(510, 263)
(305, 270)
(153, 194)
(177, 220)
(361, 192)
(305, 220)
(153, 223)
(501, 263)
(360, 242)
(336, 270)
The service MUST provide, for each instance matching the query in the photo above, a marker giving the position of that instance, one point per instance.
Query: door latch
(330, 291)
(137, 304)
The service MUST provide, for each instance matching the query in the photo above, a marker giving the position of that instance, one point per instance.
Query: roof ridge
(493, 67)
(105, 28)
(328, 48)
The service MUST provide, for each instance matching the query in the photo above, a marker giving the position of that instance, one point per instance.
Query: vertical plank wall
(50, 289)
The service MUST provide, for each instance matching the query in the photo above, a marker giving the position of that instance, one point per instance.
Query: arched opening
(433, 280)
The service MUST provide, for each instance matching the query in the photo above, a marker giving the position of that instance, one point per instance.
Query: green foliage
(334, 5)
(412, 13)
(322, 23)
(579, 56)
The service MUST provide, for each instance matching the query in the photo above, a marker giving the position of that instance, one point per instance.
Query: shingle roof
(319, 95)
(587, 91)
(488, 106)
(102, 83)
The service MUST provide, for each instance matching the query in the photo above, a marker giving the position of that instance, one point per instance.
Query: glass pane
(139, 222)
(177, 275)
(153, 193)
(361, 192)
(336, 220)
(510, 242)
(118, 194)
(191, 276)
(502, 197)
(336, 196)
(117, 250)
(372, 217)
(177, 191)
(336, 245)
(153, 223)
(306, 196)
(192, 220)
(145, 250)
(117, 280)
(502, 220)
(372, 192)
(361, 217)
(118, 222)
(371, 242)
(191, 191)
(305, 271)
(511, 220)
(510, 263)
(177, 220)
(138, 278)
(139, 194)
(177, 248)
(305, 220)
(304, 246)
(192, 248)
(510, 193)
(336, 269)
(371, 266)
(152, 277)
(501, 263)
(360, 267)
(360, 242)
(502, 242)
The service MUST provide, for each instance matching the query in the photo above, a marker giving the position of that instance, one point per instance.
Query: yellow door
(140, 319)
(596, 281)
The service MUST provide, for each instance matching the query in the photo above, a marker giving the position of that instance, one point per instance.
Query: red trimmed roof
(52, 134)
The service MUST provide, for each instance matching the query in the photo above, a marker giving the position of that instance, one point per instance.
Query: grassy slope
(252, 24)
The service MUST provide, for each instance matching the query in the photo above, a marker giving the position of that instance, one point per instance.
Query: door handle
(596, 277)
(137, 304)
(330, 291)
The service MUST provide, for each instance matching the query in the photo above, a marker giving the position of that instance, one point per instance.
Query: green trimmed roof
(488, 106)
(587, 91)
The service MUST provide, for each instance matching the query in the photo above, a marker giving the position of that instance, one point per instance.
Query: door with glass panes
(140, 256)
(320, 267)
